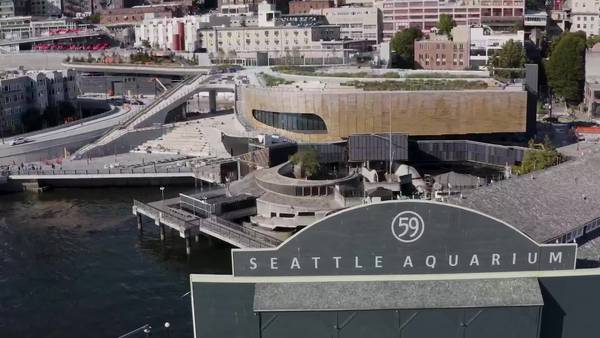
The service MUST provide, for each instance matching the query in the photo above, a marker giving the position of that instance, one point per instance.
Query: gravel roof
(426, 294)
(545, 204)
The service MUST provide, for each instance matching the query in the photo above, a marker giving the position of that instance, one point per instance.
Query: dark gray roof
(457, 180)
(374, 295)
(546, 204)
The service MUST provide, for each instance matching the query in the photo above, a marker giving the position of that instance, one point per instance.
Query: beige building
(316, 115)
(277, 40)
(356, 23)
(591, 98)
(159, 33)
(585, 16)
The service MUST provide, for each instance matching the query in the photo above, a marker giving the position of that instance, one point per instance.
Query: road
(47, 143)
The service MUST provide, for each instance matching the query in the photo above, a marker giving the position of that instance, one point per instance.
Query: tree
(94, 18)
(540, 157)
(566, 67)
(512, 55)
(537, 5)
(445, 24)
(403, 47)
(307, 160)
(592, 40)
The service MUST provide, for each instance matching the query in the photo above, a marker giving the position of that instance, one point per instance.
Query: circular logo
(408, 226)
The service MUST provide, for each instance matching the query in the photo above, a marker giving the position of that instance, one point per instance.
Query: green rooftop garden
(272, 81)
(414, 85)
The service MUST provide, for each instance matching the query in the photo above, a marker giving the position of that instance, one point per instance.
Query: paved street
(68, 135)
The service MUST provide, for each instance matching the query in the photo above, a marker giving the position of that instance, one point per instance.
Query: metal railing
(107, 136)
(233, 233)
(109, 171)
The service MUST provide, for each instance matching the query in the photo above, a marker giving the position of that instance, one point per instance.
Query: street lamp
(162, 192)
(167, 326)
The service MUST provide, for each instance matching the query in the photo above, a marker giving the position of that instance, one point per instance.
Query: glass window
(290, 121)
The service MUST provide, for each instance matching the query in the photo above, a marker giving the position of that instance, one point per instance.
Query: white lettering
(253, 263)
(407, 262)
(378, 262)
(534, 260)
(356, 264)
(274, 263)
(495, 259)
(316, 260)
(455, 263)
(295, 264)
(514, 258)
(430, 261)
(337, 261)
(474, 260)
(555, 257)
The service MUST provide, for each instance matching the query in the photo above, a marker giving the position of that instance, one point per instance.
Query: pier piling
(162, 232)
(188, 245)
(139, 222)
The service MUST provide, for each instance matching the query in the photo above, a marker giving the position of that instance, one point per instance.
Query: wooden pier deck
(167, 213)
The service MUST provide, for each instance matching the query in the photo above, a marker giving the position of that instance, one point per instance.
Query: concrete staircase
(183, 139)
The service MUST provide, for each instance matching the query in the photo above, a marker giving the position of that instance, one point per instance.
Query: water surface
(72, 264)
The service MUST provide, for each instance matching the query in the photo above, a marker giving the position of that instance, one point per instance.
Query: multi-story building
(442, 53)
(24, 27)
(305, 7)
(161, 33)
(140, 13)
(246, 6)
(270, 36)
(7, 8)
(535, 19)
(484, 42)
(46, 8)
(39, 90)
(591, 99)
(72, 7)
(356, 23)
(278, 40)
(424, 14)
(585, 16)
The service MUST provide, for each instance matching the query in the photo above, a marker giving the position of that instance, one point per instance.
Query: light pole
(2, 125)
(167, 326)
(162, 193)
(1, 120)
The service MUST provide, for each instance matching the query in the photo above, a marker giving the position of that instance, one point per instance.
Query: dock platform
(192, 224)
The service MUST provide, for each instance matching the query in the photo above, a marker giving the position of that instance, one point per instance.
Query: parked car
(19, 140)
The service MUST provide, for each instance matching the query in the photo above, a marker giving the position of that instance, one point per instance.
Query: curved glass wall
(290, 121)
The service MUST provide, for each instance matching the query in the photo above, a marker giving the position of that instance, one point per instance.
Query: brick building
(441, 54)
(304, 7)
(139, 13)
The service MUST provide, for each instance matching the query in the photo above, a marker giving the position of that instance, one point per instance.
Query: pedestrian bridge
(136, 69)
(156, 112)
(34, 39)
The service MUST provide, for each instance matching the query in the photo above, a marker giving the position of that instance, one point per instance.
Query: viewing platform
(192, 216)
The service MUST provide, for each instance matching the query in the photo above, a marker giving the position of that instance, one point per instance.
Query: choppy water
(72, 264)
